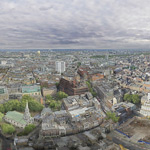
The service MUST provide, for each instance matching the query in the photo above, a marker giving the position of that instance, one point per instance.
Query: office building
(60, 66)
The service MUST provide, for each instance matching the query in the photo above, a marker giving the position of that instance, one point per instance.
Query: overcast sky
(74, 24)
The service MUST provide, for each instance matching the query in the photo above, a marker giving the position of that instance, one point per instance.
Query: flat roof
(77, 112)
(30, 89)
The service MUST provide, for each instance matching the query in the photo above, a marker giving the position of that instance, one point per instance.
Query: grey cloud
(74, 23)
(45, 8)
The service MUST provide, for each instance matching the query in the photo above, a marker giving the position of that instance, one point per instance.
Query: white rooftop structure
(78, 112)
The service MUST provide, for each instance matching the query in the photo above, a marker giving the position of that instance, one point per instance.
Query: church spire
(27, 113)
(27, 105)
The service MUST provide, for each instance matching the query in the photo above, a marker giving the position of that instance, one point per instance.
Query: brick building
(95, 76)
(72, 87)
(86, 73)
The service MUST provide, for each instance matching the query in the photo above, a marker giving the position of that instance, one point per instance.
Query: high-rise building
(60, 66)
(145, 108)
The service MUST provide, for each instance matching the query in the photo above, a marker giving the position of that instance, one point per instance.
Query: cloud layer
(74, 24)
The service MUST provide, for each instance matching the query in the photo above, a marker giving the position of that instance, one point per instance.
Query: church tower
(27, 116)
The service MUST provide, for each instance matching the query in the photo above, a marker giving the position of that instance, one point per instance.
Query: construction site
(136, 129)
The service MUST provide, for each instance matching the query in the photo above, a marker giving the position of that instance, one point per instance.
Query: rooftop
(30, 89)
(77, 112)
(16, 116)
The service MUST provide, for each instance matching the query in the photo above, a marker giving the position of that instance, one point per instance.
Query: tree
(20, 105)
(48, 97)
(57, 85)
(52, 104)
(88, 84)
(91, 89)
(10, 105)
(33, 104)
(127, 97)
(135, 99)
(55, 105)
(94, 93)
(7, 128)
(27, 98)
(60, 95)
(1, 116)
(29, 128)
(112, 116)
(2, 109)
(78, 64)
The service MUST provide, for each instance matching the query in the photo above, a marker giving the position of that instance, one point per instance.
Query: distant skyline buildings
(74, 24)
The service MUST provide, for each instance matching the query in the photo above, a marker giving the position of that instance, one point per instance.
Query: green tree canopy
(29, 128)
(20, 105)
(55, 105)
(11, 105)
(57, 85)
(127, 97)
(134, 98)
(112, 116)
(33, 104)
(91, 89)
(2, 109)
(1, 116)
(78, 64)
(60, 95)
(7, 128)
(48, 97)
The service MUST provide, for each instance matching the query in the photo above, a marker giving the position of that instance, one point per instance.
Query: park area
(137, 129)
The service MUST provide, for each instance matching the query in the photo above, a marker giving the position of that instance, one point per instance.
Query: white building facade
(145, 108)
(60, 66)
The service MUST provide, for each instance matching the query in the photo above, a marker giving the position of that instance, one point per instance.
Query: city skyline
(74, 24)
